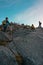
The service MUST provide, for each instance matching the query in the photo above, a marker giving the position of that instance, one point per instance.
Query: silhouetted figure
(32, 27)
(40, 24)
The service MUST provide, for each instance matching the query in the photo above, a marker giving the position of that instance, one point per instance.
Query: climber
(32, 27)
(5, 24)
(40, 24)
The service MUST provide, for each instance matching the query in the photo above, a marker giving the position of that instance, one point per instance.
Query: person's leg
(4, 28)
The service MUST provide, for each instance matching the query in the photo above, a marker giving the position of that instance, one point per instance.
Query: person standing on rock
(40, 24)
(5, 24)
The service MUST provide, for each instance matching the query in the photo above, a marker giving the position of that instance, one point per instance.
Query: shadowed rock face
(27, 61)
(24, 60)
(6, 57)
(4, 37)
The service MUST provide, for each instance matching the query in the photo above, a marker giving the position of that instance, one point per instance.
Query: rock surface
(31, 46)
(27, 43)
(4, 37)
(6, 57)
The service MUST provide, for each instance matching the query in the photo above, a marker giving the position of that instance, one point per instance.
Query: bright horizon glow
(22, 11)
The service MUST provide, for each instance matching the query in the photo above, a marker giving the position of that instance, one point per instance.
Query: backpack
(4, 22)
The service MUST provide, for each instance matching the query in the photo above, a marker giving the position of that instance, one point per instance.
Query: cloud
(31, 15)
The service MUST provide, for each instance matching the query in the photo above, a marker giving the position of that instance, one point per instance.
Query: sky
(22, 11)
